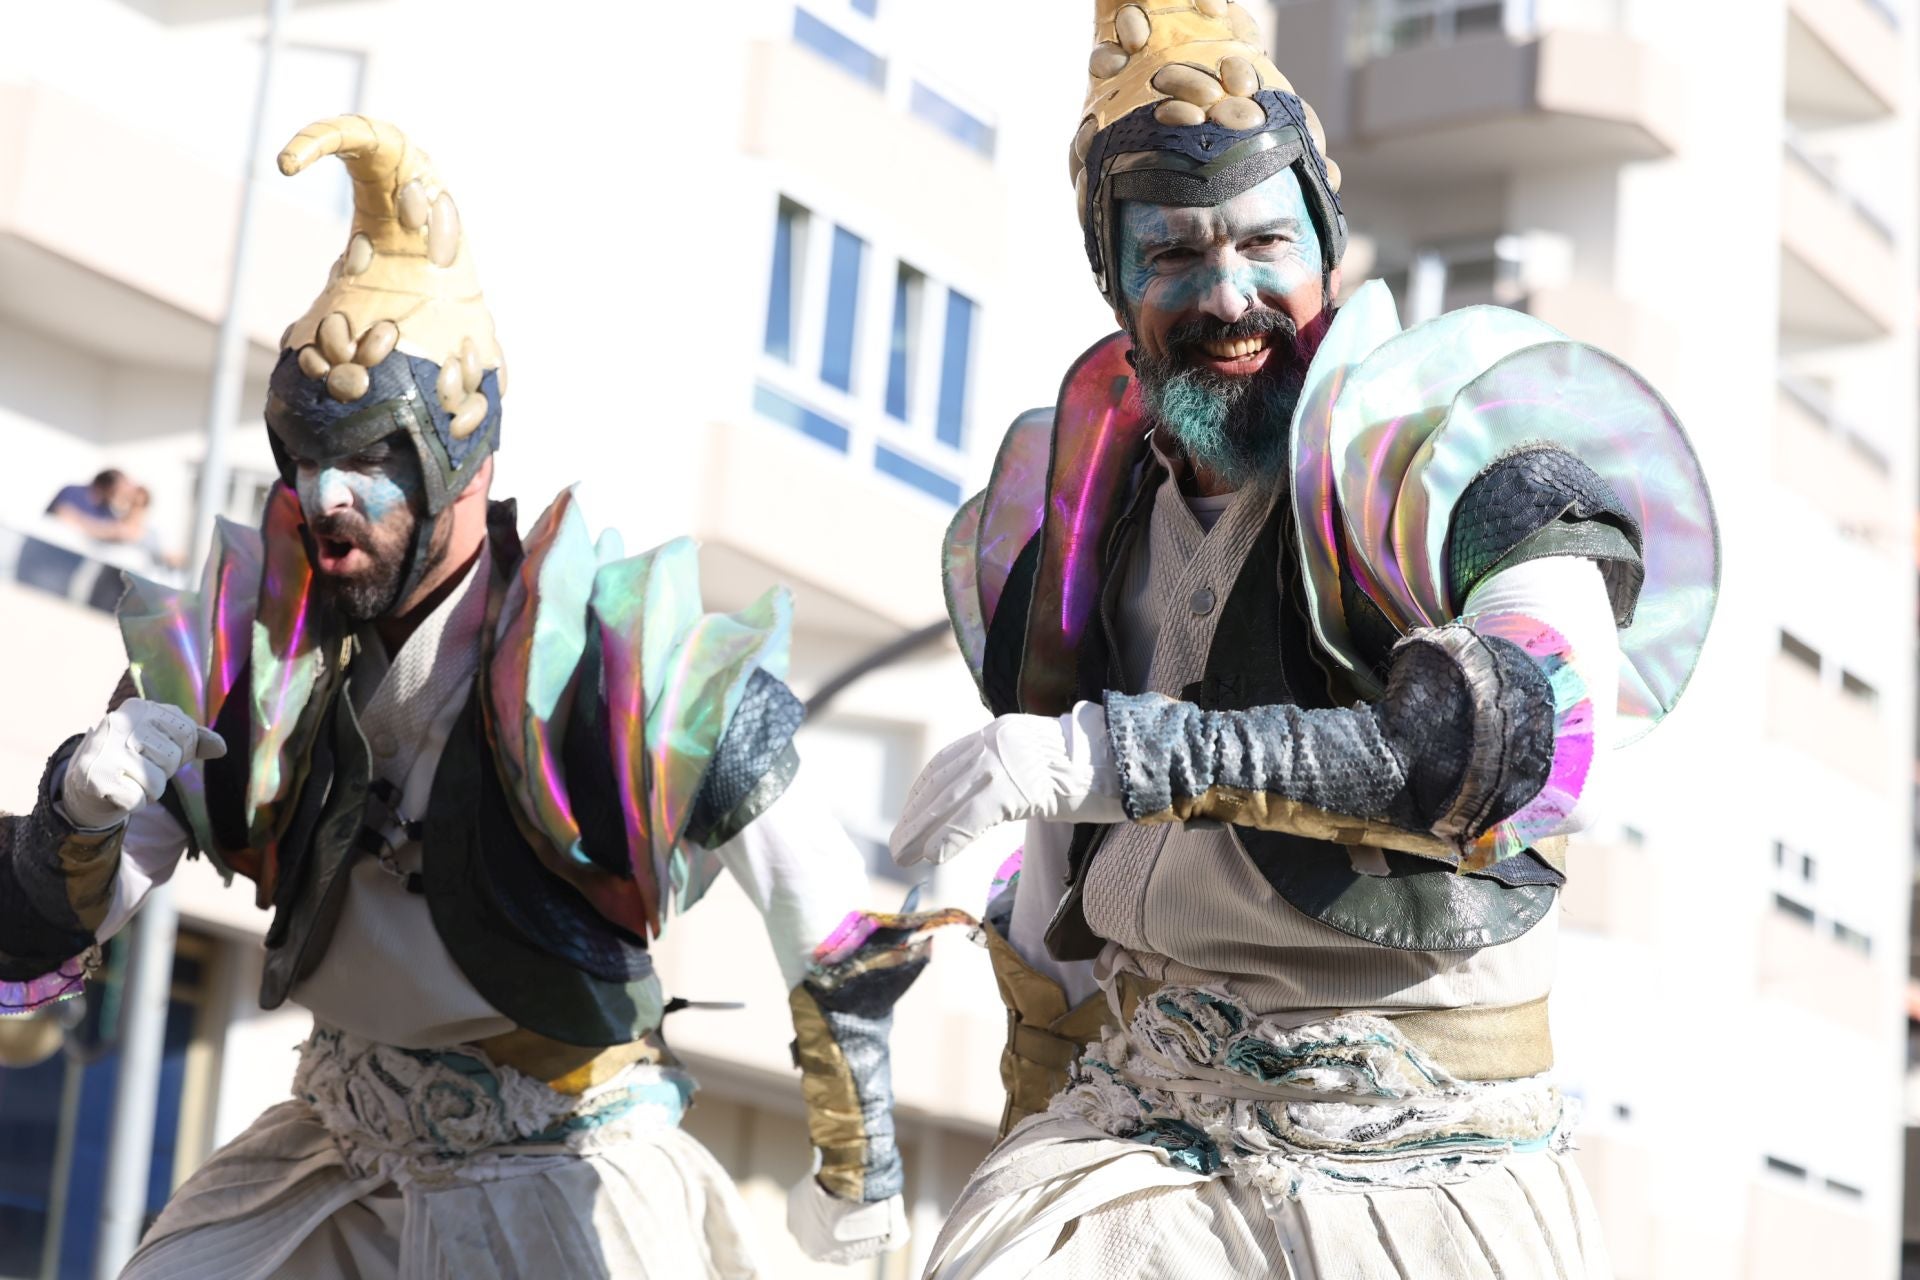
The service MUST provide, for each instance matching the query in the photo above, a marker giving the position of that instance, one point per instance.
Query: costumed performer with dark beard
(1308, 639)
(472, 775)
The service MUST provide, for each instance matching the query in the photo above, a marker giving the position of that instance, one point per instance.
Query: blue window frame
(956, 358)
(843, 51)
(908, 288)
(843, 306)
(791, 413)
(789, 232)
(950, 118)
(925, 479)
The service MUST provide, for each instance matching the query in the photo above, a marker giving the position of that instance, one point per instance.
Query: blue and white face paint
(363, 512)
(1223, 303)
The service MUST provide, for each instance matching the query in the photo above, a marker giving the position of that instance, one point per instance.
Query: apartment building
(1723, 196)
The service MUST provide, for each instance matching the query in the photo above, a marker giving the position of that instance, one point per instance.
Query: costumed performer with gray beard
(1308, 640)
(472, 775)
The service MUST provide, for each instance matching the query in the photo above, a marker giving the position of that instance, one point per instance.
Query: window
(791, 413)
(1853, 685)
(909, 297)
(1848, 936)
(955, 368)
(868, 7)
(951, 118)
(926, 479)
(1777, 1165)
(842, 50)
(843, 302)
(1798, 910)
(882, 375)
(1800, 651)
(783, 294)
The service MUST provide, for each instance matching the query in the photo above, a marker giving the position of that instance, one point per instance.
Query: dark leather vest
(486, 892)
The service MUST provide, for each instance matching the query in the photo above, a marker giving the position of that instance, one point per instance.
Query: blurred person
(472, 775)
(145, 536)
(1307, 640)
(102, 510)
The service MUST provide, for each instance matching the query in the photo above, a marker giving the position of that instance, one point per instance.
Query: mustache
(342, 526)
(1186, 338)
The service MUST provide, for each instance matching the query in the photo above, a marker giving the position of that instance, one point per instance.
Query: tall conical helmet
(1184, 106)
(400, 339)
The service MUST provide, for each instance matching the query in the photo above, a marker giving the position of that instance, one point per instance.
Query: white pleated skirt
(279, 1201)
(1061, 1199)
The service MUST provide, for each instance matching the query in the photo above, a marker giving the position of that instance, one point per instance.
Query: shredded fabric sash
(1346, 1104)
(433, 1116)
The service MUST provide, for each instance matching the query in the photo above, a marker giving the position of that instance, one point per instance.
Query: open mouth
(1236, 357)
(338, 556)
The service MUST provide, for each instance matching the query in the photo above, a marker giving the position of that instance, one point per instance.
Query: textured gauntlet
(56, 883)
(842, 1017)
(1462, 739)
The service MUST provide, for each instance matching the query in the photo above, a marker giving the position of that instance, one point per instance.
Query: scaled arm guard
(1463, 738)
(842, 1018)
(56, 885)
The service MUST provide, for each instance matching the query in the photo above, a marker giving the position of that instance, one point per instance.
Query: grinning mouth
(1237, 348)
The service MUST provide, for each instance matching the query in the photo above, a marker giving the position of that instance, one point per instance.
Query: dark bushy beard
(1237, 428)
(376, 592)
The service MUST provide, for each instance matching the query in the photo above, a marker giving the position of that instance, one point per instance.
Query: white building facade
(778, 274)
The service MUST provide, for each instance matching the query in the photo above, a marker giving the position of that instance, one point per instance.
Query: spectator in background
(145, 537)
(106, 511)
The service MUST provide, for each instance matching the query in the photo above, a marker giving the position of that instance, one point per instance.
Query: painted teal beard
(1237, 428)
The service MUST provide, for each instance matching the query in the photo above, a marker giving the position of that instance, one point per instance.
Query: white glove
(124, 762)
(838, 1231)
(1018, 767)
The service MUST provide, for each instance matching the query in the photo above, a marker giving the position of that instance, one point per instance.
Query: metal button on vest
(384, 745)
(1202, 602)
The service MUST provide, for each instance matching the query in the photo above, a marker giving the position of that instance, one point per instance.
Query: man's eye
(1175, 258)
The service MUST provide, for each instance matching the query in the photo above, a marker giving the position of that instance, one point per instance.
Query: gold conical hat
(406, 281)
(1198, 60)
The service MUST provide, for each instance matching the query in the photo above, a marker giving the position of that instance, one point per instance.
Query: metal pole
(136, 1095)
(885, 656)
(143, 1031)
(230, 360)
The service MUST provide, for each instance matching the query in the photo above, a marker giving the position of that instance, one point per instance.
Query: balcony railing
(1822, 172)
(1819, 406)
(1382, 27)
(58, 559)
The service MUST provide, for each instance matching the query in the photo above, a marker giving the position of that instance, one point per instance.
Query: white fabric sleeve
(149, 852)
(1043, 879)
(1569, 595)
(801, 870)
